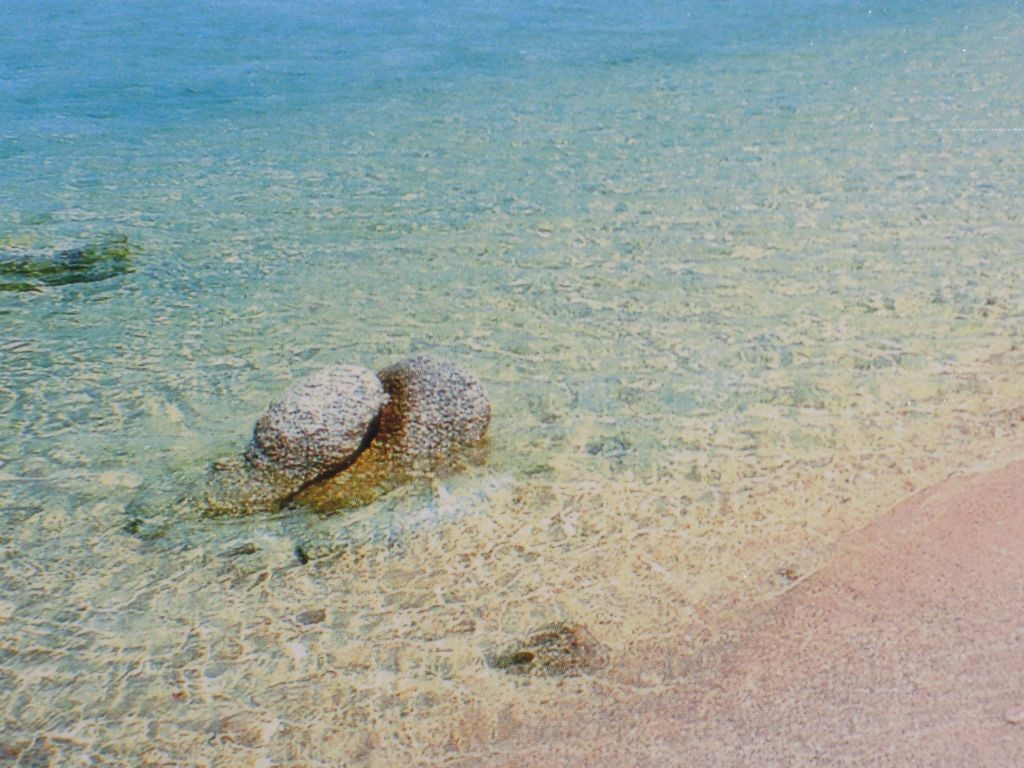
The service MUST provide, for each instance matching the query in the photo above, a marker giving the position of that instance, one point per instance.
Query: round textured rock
(435, 419)
(320, 425)
(434, 410)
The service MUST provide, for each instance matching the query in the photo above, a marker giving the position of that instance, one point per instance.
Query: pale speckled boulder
(435, 419)
(345, 435)
(318, 426)
(434, 411)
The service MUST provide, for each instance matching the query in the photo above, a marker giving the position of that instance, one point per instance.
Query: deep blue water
(116, 69)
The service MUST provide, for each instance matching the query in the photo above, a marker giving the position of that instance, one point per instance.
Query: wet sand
(906, 650)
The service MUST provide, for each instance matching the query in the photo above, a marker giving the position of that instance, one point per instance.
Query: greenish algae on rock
(28, 272)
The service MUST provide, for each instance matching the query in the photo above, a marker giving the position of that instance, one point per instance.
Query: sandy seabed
(904, 650)
(375, 652)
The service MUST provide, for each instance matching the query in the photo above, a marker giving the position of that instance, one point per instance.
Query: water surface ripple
(737, 276)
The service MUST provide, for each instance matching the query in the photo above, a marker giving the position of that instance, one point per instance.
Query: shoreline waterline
(902, 648)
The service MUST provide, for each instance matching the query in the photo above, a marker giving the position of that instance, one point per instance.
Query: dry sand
(906, 650)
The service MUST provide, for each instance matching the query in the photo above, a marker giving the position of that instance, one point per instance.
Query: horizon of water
(737, 276)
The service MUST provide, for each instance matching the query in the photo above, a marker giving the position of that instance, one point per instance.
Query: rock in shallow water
(434, 410)
(559, 649)
(247, 729)
(318, 426)
(85, 264)
(344, 436)
(436, 418)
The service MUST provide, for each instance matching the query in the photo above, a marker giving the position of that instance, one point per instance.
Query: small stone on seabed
(312, 616)
(249, 729)
(248, 548)
(560, 649)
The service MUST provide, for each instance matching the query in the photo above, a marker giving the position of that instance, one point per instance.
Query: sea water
(736, 275)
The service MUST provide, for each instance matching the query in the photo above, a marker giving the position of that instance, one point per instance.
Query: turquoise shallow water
(723, 267)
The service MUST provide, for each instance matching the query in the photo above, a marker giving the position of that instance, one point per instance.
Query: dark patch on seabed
(90, 263)
(559, 649)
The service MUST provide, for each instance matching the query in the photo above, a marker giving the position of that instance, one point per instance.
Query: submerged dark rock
(311, 616)
(85, 264)
(559, 649)
(247, 548)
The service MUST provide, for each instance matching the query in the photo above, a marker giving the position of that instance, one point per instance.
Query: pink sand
(907, 650)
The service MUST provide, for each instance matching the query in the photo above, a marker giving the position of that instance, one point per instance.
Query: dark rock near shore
(560, 649)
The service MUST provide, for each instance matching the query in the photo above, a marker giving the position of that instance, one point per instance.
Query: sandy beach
(905, 650)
